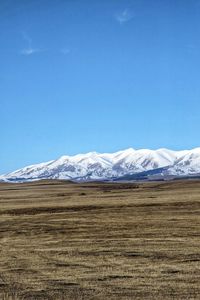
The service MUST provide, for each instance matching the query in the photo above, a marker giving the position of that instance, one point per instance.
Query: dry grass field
(60, 240)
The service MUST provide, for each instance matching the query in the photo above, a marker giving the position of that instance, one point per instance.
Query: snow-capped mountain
(188, 164)
(106, 166)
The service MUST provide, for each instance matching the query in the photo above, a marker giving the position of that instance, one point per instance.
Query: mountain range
(129, 164)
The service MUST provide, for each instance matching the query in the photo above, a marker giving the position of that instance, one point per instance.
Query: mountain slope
(106, 166)
(188, 164)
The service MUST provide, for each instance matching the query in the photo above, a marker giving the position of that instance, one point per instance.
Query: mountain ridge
(108, 166)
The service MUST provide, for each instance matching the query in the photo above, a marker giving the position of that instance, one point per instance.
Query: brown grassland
(60, 240)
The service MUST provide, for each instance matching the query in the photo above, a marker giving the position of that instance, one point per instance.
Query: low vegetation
(61, 240)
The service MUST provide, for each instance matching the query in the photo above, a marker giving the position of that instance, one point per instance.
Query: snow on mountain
(101, 166)
(144, 160)
(188, 164)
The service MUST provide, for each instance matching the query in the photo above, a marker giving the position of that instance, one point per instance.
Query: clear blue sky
(103, 75)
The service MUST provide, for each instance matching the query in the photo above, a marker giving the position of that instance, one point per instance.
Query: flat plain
(62, 240)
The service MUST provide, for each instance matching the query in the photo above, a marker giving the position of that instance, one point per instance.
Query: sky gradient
(79, 76)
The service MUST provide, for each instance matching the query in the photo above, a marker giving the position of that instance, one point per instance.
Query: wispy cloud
(124, 16)
(65, 51)
(29, 49)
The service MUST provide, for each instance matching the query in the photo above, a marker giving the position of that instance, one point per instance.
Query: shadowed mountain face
(129, 164)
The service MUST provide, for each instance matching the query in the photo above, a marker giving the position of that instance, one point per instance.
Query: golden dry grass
(60, 240)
